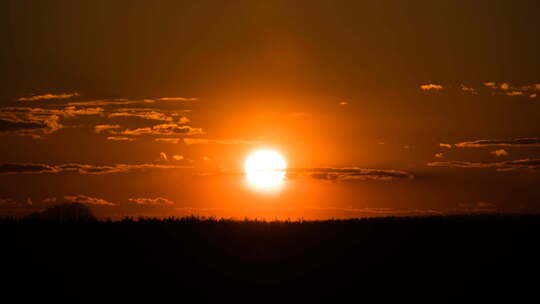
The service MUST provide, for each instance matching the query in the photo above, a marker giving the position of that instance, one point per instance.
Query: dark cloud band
(511, 165)
(519, 142)
(15, 168)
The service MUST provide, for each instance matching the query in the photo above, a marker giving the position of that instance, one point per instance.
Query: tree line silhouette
(66, 252)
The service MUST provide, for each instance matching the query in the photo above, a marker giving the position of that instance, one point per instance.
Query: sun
(265, 169)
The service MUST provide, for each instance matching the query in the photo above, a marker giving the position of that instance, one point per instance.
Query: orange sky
(379, 107)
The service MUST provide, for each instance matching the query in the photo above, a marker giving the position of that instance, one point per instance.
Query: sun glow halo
(265, 169)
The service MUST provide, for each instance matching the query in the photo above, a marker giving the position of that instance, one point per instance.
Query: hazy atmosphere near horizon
(270, 109)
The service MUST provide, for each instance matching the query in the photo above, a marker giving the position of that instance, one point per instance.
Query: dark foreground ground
(438, 259)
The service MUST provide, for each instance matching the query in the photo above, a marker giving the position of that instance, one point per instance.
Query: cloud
(123, 101)
(461, 164)
(84, 199)
(163, 156)
(427, 87)
(10, 203)
(439, 155)
(449, 146)
(484, 205)
(120, 138)
(178, 157)
(499, 152)
(7, 126)
(477, 207)
(532, 95)
(26, 168)
(183, 120)
(510, 165)
(72, 111)
(101, 128)
(378, 211)
(148, 114)
(354, 173)
(204, 141)
(177, 99)
(164, 129)
(105, 102)
(519, 142)
(337, 174)
(49, 96)
(38, 122)
(502, 88)
(168, 140)
(206, 158)
(158, 201)
(21, 121)
(343, 103)
(49, 200)
(469, 89)
(69, 111)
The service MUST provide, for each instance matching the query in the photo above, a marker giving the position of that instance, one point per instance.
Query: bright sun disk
(265, 169)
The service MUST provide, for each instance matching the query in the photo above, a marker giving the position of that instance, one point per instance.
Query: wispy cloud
(148, 114)
(29, 168)
(510, 165)
(84, 199)
(49, 96)
(120, 138)
(101, 128)
(169, 129)
(104, 102)
(163, 156)
(168, 140)
(177, 99)
(492, 88)
(469, 89)
(158, 201)
(476, 207)
(518, 142)
(377, 211)
(499, 152)
(37, 122)
(349, 174)
(490, 84)
(11, 203)
(428, 87)
(178, 157)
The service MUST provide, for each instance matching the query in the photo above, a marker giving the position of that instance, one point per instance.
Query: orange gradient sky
(378, 107)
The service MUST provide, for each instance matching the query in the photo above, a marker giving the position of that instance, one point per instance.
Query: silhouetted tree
(68, 212)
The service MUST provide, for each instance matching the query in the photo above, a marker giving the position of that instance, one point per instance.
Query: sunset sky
(379, 108)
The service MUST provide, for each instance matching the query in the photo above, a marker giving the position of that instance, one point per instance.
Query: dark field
(439, 259)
